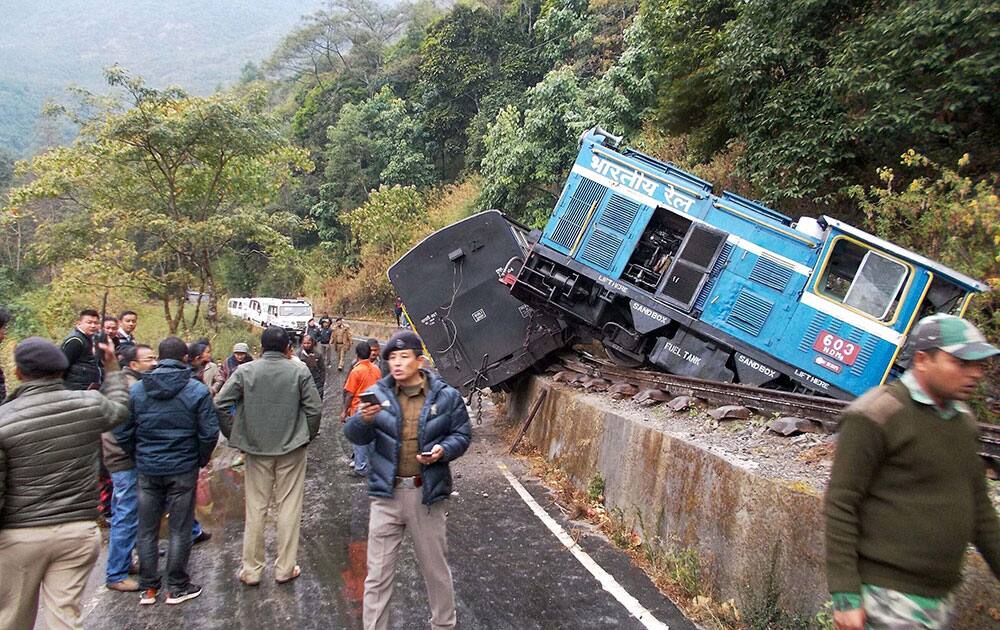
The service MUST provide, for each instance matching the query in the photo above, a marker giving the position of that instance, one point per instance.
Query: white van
(237, 307)
(292, 315)
(257, 310)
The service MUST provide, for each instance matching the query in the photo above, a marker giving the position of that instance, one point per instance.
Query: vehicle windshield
(296, 310)
(864, 279)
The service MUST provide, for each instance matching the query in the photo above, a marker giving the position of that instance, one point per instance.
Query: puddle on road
(219, 495)
(333, 541)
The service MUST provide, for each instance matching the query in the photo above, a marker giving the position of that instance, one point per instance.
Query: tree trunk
(171, 321)
(197, 308)
(212, 315)
(181, 303)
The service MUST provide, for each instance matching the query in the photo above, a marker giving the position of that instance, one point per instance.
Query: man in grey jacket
(50, 438)
(278, 411)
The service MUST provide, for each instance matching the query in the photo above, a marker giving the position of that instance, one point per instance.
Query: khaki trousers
(341, 351)
(281, 477)
(389, 519)
(53, 561)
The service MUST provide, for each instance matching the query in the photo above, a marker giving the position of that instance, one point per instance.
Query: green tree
(374, 142)
(159, 186)
(944, 215)
(348, 40)
(528, 154)
(686, 38)
(387, 222)
(473, 62)
(824, 91)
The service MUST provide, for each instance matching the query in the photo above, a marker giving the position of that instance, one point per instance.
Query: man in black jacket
(314, 361)
(49, 441)
(171, 434)
(80, 348)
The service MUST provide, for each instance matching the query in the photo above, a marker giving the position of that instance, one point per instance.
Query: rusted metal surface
(527, 421)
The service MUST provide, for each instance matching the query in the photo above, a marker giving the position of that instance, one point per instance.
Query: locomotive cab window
(863, 279)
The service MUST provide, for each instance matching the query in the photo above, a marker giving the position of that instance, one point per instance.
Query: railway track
(824, 410)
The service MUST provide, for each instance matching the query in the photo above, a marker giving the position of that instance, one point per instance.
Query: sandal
(296, 572)
(242, 578)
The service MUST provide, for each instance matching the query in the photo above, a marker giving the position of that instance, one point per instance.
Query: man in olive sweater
(908, 490)
(278, 411)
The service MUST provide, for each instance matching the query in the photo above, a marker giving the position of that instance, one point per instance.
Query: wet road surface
(510, 571)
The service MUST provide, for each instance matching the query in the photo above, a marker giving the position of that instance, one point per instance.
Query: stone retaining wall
(738, 521)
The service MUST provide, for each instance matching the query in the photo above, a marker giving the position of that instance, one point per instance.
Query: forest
(371, 125)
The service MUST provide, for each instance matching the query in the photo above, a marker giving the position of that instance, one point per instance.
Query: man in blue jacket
(171, 434)
(419, 425)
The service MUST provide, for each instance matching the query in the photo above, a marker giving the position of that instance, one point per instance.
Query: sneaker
(182, 595)
(128, 585)
(148, 597)
(202, 537)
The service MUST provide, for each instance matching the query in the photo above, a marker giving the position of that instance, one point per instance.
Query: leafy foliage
(156, 192)
(387, 221)
(824, 91)
(945, 216)
(374, 142)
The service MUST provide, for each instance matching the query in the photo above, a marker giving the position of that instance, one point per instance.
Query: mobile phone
(427, 454)
(369, 398)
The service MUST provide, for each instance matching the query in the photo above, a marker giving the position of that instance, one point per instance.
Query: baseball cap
(954, 335)
(241, 347)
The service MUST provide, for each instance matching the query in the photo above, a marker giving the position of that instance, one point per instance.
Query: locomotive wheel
(621, 358)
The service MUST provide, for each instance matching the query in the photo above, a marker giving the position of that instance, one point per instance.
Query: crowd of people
(907, 492)
(104, 424)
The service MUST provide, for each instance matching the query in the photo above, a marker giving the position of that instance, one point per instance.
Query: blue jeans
(124, 524)
(155, 494)
(361, 456)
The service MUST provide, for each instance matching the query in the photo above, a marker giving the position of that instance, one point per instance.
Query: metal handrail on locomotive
(649, 260)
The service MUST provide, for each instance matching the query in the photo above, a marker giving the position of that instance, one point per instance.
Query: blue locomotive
(646, 258)
(722, 287)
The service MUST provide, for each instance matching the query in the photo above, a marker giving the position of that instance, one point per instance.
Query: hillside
(197, 44)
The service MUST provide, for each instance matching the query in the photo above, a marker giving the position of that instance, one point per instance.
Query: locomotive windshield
(863, 279)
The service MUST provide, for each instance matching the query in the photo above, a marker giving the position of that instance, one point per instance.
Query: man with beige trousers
(277, 413)
(50, 438)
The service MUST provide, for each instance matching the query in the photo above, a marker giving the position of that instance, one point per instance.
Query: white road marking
(608, 582)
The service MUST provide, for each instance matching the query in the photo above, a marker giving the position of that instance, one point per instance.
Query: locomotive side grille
(749, 312)
(572, 220)
(771, 273)
(867, 349)
(717, 268)
(619, 214)
(601, 249)
(815, 326)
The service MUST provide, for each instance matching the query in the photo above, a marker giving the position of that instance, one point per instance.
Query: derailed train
(646, 258)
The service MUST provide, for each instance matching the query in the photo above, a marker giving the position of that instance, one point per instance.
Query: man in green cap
(908, 490)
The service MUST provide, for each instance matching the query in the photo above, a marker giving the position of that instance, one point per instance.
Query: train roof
(906, 254)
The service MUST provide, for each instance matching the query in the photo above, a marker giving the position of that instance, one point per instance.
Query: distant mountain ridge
(198, 45)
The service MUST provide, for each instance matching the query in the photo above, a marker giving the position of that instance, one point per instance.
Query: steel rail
(824, 410)
(818, 408)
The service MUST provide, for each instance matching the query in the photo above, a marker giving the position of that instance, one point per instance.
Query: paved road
(510, 571)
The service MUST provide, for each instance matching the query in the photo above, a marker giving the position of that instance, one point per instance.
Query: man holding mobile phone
(363, 375)
(419, 425)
